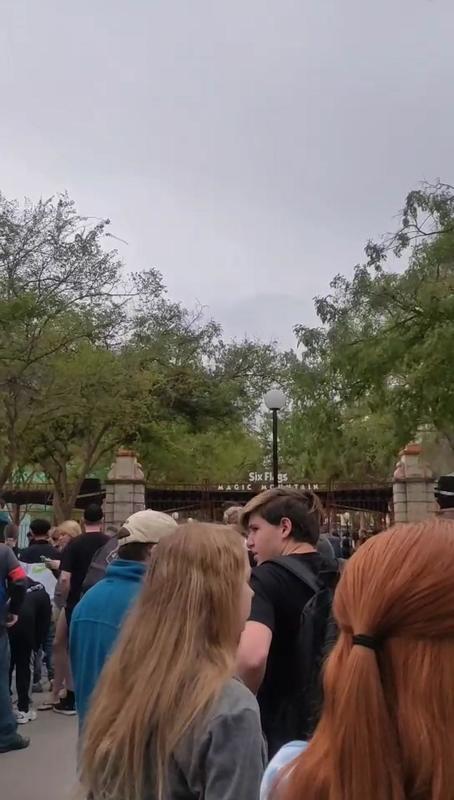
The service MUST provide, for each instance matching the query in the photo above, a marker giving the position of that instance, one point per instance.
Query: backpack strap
(300, 570)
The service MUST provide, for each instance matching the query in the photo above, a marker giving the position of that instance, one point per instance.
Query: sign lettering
(267, 477)
(261, 485)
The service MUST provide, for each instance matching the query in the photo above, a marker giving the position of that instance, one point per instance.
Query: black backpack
(317, 635)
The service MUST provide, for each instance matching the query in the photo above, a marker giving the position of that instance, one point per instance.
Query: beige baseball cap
(147, 527)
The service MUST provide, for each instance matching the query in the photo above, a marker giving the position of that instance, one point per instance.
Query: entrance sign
(265, 483)
(267, 477)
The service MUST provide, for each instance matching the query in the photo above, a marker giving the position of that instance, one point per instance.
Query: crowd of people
(239, 661)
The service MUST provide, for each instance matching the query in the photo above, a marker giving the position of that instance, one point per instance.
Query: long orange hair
(387, 729)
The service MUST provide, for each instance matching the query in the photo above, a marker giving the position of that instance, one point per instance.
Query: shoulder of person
(38, 590)
(235, 702)
(267, 570)
(73, 543)
(273, 567)
(224, 753)
(234, 698)
(269, 576)
(233, 723)
(283, 758)
(7, 556)
(68, 550)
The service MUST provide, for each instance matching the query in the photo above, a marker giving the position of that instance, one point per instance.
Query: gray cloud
(248, 150)
(269, 317)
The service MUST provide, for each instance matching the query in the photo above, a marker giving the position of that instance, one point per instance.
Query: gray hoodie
(224, 759)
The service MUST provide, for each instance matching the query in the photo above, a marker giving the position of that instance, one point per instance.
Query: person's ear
(286, 527)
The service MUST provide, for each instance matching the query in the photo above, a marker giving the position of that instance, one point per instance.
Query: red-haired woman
(387, 728)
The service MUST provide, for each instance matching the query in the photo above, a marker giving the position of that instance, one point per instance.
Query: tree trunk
(58, 507)
(6, 471)
(65, 493)
(64, 501)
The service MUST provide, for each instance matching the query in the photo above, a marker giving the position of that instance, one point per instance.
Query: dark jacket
(34, 616)
(12, 585)
(32, 554)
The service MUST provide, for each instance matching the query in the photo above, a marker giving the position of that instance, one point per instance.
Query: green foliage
(174, 454)
(335, 444)
(381, 359)
(247, 369)
(102, 396)
(58, 289)
(90, 361)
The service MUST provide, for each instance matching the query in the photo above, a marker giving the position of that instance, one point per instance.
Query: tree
(324, 438)
(384, 345)
(248, 369)
(104, 397)
(187, 347)
(58, 287)
(330, 443)
(90, 361)
(173, 453)
(204, 416)
(65, 312)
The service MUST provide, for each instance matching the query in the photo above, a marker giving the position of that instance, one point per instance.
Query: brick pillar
(413, 487)
(125, 488)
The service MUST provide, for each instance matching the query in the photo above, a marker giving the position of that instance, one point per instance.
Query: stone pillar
(413, 487)
(125, 488)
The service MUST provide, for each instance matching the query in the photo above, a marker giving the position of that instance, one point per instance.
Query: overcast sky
(246, 148)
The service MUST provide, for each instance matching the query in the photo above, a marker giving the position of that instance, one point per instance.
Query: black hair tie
(363, 640)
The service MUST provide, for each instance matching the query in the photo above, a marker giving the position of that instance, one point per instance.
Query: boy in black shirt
(280, 522)
(39, 543)
(75, 561)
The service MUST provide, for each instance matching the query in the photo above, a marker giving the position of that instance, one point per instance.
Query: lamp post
(275, 401)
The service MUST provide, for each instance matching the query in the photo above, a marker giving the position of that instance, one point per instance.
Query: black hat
(444, 491)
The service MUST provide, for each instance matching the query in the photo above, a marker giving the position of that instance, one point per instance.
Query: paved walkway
(46, 770)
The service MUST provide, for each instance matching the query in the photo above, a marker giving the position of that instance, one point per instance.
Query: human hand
(52, 564)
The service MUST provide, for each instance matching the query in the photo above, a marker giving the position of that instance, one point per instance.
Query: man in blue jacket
(98, 617)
